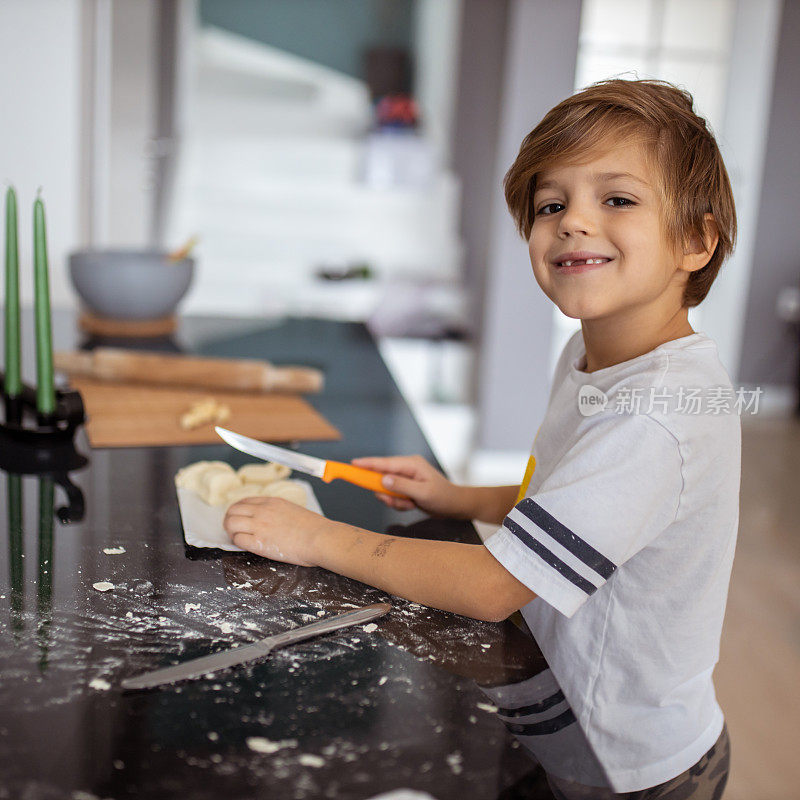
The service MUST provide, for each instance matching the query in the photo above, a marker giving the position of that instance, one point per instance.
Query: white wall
(40, 42)
(743, 143)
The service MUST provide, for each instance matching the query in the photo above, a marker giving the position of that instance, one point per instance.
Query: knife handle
(366, 478)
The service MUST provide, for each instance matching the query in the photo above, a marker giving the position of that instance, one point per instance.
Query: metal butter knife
(198, 667)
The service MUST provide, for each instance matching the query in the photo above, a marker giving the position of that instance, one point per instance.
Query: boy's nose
(576, 219)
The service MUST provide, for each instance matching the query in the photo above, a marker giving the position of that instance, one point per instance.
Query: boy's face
(605, 209)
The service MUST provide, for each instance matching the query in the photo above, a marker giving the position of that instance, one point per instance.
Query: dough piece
(215, 486)
(288, 490)
(212, 480)
(263, 473)
(218, 485)
(190, 476)
(246, 490)
(204, 412)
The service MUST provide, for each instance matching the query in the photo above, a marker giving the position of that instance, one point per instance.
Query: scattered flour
(309, 760)
(113, 551)
(370, 628)
(259, 744)
(320, 613)
(102, 586)
(455, 760)
(225, 627)
(100, 684)
(187, 607)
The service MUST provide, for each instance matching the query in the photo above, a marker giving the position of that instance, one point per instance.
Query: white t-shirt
(626, 535)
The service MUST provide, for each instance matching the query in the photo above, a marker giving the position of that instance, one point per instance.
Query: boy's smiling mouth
(580, 260)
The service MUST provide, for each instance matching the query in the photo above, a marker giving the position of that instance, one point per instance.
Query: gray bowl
(130, 284)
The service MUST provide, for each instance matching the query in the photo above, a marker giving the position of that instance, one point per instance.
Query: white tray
(202, 523)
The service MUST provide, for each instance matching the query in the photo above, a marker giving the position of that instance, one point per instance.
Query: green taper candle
(13, 382)
(45, 388)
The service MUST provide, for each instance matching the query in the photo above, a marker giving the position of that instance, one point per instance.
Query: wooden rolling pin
(136, 366)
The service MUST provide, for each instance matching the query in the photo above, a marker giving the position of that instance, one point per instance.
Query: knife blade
(320, 468)
(198, 667)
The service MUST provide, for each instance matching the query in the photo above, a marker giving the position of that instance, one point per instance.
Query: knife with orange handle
(320, 468)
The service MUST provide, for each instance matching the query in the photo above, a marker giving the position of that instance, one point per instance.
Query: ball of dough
(190, 477)
(263, 473)
(212, 480)
(215, 486)
(240, 492)
(218, 484)
(288, 490)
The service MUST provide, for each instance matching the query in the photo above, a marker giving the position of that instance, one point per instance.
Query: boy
(618, 546)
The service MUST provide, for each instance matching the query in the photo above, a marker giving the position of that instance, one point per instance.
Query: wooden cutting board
(127, 415)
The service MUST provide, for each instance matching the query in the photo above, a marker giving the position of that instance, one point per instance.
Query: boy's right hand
(414, 477)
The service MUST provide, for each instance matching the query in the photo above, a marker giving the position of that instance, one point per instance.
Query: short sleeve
(614, 491)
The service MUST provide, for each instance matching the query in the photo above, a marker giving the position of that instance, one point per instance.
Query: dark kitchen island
(349, 715)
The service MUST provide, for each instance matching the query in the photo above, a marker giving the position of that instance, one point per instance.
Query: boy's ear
(698, 252)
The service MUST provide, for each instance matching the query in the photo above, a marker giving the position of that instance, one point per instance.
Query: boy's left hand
(275, 528)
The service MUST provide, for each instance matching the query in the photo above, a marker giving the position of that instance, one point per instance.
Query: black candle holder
(32, 443)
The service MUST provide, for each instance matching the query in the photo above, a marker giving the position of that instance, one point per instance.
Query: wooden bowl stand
(127, 328)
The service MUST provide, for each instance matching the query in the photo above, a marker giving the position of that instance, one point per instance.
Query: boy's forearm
(488, 503)
(462, 578)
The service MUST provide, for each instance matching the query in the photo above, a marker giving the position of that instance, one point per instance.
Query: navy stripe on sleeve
(566, 538)
(536, 708)
(549, 558)
(542, 728)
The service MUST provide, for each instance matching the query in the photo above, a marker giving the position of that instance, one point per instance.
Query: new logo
(591, 400)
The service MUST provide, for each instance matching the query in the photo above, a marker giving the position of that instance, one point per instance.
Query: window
(686, 42)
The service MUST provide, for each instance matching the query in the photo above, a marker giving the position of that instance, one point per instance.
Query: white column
(514, 359)
(436, 29)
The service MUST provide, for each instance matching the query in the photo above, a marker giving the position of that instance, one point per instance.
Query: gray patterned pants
(704, 781)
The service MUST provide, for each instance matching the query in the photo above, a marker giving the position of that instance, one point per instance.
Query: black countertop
(349, 715)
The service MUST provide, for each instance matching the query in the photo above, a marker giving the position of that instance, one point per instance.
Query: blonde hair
(679, 144)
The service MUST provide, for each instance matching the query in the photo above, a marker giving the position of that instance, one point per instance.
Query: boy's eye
(544, 210)
(623, 201)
